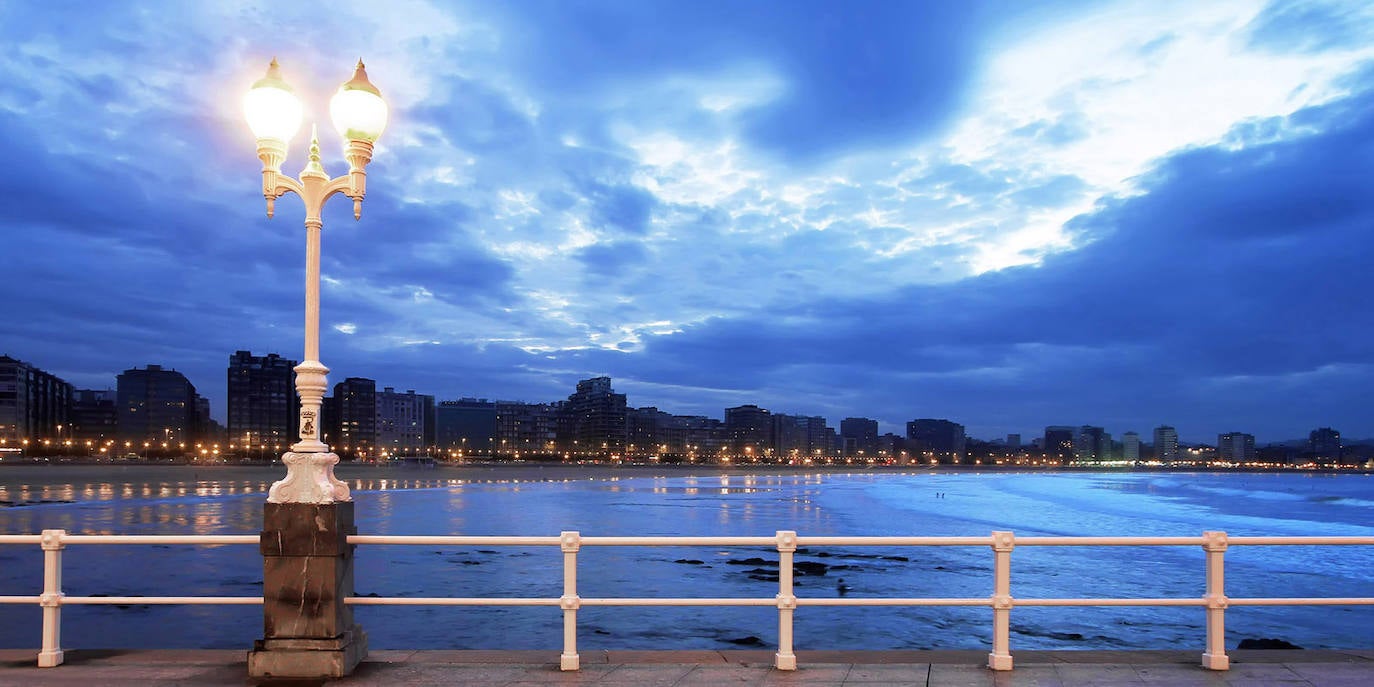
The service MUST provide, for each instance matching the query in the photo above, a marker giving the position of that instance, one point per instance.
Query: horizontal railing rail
(785, 543)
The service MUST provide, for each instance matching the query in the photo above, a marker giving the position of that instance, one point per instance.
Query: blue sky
(1007, 214)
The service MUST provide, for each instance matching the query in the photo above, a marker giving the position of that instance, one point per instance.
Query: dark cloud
(624, 208)
(856, 74)
(611, 260)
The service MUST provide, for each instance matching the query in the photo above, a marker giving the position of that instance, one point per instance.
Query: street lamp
(274, 114)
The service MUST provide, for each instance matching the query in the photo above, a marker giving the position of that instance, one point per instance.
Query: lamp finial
(313, 167)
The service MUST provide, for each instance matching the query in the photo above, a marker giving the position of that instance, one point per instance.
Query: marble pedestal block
(307, 567)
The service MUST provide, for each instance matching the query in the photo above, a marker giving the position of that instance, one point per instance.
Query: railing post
(787, 600)
(51, 600)
(570, 543)
(1214, 543)
(1002, 544)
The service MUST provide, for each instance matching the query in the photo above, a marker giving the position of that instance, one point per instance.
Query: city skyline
(239, 358)
(1123, 213)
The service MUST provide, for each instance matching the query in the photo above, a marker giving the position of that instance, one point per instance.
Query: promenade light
(272, 108)
(274, 115)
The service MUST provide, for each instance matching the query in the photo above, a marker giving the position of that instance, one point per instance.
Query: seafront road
(212, 668)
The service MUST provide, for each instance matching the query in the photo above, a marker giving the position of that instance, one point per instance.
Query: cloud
(1005, 211)
(1312, 26)
(609, 260)
(1227, 293)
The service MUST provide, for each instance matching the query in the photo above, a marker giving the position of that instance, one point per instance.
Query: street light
(274, 114)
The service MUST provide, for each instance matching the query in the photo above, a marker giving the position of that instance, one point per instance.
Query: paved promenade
(194, 668)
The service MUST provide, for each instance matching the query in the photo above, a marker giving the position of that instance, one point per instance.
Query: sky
(1007, 214)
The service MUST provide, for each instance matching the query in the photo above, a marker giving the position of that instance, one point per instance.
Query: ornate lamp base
(309, 479)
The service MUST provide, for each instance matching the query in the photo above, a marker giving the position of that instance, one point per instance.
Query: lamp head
(357, 109)
(271, 107)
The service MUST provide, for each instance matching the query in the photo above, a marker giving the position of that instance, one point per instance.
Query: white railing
(1214, 600)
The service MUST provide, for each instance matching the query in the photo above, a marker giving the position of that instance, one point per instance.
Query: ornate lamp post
(274, 115)
(307, 562)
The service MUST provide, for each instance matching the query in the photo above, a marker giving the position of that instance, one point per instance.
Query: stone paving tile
(891, 684)
(647, 675)
(721, 676)
(962, 676)
(558, 677)
(1035, 675)
(865, 674)
(1274, 672)
(552, 673)
(1333, 671)
(482, 673)
(808, 674)
(1087, 673)
(696, 657)
(1262, 682)
(1111, 656)
(1170, 674)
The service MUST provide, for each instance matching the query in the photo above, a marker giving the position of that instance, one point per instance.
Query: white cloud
(1137, 79)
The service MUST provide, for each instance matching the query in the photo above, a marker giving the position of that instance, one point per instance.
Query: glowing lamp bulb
(357, 109)
(271, 107)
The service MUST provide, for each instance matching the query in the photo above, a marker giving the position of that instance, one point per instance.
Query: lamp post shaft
(309, 464)
(311, 374)
(312, 288)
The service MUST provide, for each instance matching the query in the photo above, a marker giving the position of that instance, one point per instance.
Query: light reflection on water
(709, 505)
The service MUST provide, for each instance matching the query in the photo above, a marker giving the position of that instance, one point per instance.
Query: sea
(472, 500)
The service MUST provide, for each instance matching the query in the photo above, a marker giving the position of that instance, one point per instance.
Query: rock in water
(751, 640)
(1266, 643)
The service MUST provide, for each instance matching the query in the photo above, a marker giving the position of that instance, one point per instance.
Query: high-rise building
(860, 435)
(401, 421)
(1013, 443)
(156, 406)
(527, 429)
(942, 440)
(704, 438)
(820, 438)
(1237, 447)
(1091, 444)
(206, 427)
(355, 405)
(93, 415)
(262, 403)
(751, 431)
(592, 421)
(646, 429)
(329, 422)
(1325, 445)
(891, 447)
(1058, 441)
(791, 436)
(799, 437)
(33, 403)
(467, 425)
(1130, 447)
(1166, 443)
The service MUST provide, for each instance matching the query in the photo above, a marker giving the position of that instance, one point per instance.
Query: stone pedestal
(308, 630)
